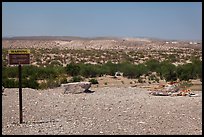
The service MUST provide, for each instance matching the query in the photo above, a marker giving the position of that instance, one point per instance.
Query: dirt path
(108, 110)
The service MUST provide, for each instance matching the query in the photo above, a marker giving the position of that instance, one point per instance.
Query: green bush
(168, 71)
(186, 71)
(152, 65)
(129, 70)
(47, 73)
(30, 83)
(10, 72)
(55, 74)
(30, 71)
(109, 68)
(10, 83)
(93, 81)
(72, 69)
(89, 70)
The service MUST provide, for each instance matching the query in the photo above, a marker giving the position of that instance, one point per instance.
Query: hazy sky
(166, 20)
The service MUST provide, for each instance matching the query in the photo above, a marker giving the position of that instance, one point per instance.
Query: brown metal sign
(19, 56)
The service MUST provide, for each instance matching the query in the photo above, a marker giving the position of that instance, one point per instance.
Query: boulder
(76, 87)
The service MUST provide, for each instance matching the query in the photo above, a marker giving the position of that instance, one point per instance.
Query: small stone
(141, 122)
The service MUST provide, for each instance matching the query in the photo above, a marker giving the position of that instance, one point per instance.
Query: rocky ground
(106, 110)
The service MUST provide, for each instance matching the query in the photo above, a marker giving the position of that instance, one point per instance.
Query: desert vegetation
(53, 76)
(55, 62)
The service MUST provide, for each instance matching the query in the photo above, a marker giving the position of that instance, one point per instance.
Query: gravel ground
(107, 110)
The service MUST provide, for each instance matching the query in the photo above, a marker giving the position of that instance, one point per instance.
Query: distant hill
(75, 42)
(59, 38)
(89, 38)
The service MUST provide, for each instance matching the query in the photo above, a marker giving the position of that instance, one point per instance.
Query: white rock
(76, 87)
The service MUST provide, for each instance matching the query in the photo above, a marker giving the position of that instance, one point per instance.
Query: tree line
(56, 75)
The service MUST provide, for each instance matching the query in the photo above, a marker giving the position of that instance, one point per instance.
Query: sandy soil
(107, 110)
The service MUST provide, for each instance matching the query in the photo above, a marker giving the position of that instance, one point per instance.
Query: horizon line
(108, 36)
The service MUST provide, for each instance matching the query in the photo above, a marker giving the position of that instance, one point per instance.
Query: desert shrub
(132, 71)
(190, 70)
(30, 83)
(10, 83)
(10, 72)
(44, 73)
(95, 71)
(59, 70)
(63, 80)
(173, 58)
(197, 65)
(43, 85)
(49, 72)
(89, 70)
(182, 72)
(168, 71)
(140, 70)
(86, 70)
(52, 83)
(73, 69)
(55, 50)
(152, 65)
(129, 70)
(109, 68)
(93, 81)
(29, 71)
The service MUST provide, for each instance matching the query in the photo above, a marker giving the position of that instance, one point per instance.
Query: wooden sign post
(18, 57)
